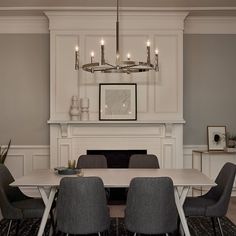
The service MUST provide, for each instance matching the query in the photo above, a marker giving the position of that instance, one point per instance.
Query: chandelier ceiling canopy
(128, 66)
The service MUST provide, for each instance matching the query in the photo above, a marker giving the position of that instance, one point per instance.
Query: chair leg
(221, 231)
(17, 227)
(53, 223)
(9, 227)
(213, 224)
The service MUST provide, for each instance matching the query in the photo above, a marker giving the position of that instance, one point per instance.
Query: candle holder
(120, 66)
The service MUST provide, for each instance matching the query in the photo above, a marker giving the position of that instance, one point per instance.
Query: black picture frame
(117, 101)
(216, 138)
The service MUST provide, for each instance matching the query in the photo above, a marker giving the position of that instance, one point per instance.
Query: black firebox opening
(117, 158)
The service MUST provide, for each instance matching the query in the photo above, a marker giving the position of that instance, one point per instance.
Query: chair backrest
(92, 161)
(9, 194)
(81, 206)
(143, 161)
(221, 193)
(150, 207)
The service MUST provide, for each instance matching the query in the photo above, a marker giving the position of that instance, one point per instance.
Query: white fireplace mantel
(64, 125)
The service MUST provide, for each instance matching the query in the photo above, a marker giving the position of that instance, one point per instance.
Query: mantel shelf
(97, 122)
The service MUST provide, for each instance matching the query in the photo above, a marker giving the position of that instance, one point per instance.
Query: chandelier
(128, 66)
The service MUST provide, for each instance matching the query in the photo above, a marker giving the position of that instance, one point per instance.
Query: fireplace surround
(159, 125)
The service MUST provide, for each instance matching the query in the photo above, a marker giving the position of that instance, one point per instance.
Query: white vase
(74, 109)
(84, 105)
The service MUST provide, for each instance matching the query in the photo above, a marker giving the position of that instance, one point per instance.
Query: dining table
(48, 181)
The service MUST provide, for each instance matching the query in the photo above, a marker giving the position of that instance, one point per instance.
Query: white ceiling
(196, 7)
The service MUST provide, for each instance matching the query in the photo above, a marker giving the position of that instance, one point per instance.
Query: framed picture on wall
(216, 138)
(117, 101)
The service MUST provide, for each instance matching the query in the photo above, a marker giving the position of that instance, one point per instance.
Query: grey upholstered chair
(92, 161)
(215, 202)
(81, 206)
(14, 204)
(150, 207)
(144, 161)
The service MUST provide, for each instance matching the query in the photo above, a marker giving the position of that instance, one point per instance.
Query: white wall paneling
(22, 160)
(164, 30)
(64, 151)
(160, 95)
(168, 157)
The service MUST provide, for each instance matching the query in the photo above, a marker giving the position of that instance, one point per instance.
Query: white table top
(118, 177)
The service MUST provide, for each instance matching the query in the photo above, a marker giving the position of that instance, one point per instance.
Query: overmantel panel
(69, 29)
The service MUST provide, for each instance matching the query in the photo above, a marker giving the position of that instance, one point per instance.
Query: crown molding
(78, 8)
(103, 20)
(23, 25)
(210, 25)
(193, 24)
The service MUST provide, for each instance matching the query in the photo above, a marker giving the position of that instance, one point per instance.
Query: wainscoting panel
(13, 161)
(22, 160)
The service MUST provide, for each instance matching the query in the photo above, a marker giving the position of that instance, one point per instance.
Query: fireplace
(159, 124)
(117, 158)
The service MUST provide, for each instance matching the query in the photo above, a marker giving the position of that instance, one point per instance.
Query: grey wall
(209, 85)
(24, 89)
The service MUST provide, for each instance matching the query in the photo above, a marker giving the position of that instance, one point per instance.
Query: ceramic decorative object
(84, 105)
(74, 109)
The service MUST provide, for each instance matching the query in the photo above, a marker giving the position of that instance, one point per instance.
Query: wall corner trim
(24, 25)
(210, 25)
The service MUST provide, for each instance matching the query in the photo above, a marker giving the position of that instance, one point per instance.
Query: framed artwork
(117, 102)
(216, 138)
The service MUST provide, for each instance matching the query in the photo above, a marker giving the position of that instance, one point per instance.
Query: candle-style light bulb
(77, 57)
(156, 60)
(148, 53)
(92, 56)
(102, 52)
(128, 56)
(117, 59)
